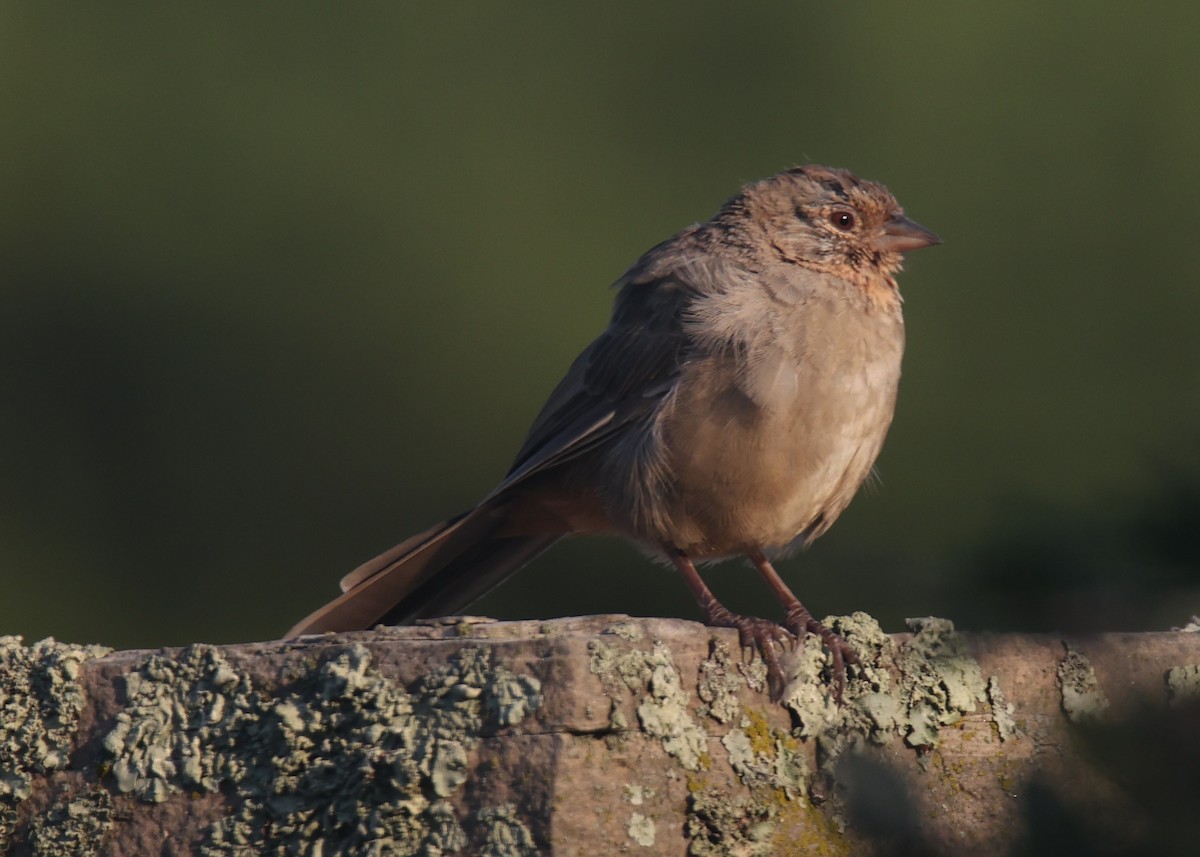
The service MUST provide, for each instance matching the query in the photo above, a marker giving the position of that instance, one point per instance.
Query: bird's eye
(843, 220)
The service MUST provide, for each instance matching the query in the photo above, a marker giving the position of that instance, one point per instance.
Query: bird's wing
(620, 378)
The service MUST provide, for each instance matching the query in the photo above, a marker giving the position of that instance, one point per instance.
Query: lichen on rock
(506, 835)
(941, 680)
(870, 710)
(625, 629)
(345, 761)
(772, 762)
(618, 669)
(73, 827)
(663, 711)
(179, 725)
(641, 829)
(1002, 710)
(764, 756)
(717, 684)
(363, 763)
(719, 825)
(1183, 682)
(1082, 697)
(912, 691)
(40, 704)
(511, 698)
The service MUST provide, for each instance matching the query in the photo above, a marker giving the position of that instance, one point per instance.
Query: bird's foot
(761, 635)
(801, 623)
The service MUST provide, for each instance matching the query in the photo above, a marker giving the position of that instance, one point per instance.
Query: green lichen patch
(641, 830)
(807, 693)
(717, 684)
(336, 772)
(510, 698)
(179, 725)
(1082, 698)
(8, 820)
(1002, 710)
(720, 826)
(40, 704)
(364, 764)
(73, 828)
(344, 762)
(1184, 683)
(618, 669)
(868, 708)
(772, 763)
(629, 631)
(506, 835)
(442, 833)
(664, 712)
(941, 680)
(636, 795)
(754, 672)
(767, 757)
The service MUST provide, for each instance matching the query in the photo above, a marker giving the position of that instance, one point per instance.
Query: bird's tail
(435, 573)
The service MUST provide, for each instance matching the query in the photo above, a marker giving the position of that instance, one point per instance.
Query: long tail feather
(436, 573)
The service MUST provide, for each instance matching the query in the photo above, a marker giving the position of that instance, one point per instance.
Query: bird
(733, 406)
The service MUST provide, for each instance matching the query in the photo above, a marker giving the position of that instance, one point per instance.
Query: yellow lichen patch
(759, 731)
(819, 835)
(765, 756)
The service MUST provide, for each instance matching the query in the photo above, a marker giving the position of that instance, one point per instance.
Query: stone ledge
(579, 736)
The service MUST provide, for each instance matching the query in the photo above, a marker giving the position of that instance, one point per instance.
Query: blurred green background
(283, 285)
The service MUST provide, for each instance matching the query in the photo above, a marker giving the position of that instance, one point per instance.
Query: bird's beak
(901, 234)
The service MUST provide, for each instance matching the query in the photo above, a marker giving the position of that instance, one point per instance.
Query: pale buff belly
(747, 475)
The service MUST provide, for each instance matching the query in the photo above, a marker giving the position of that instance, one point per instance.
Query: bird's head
(826, 219)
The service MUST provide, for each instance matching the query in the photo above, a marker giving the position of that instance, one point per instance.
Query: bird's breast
(773, 442)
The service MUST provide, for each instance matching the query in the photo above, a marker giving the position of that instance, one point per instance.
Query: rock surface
(581, 736)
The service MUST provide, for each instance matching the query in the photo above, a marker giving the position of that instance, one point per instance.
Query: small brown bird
(733, 406)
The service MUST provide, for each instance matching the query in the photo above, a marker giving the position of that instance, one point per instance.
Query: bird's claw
(761, 635)
(801, 623)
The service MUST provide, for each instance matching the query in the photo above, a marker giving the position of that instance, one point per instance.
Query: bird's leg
(754, 633)
(801, 622)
